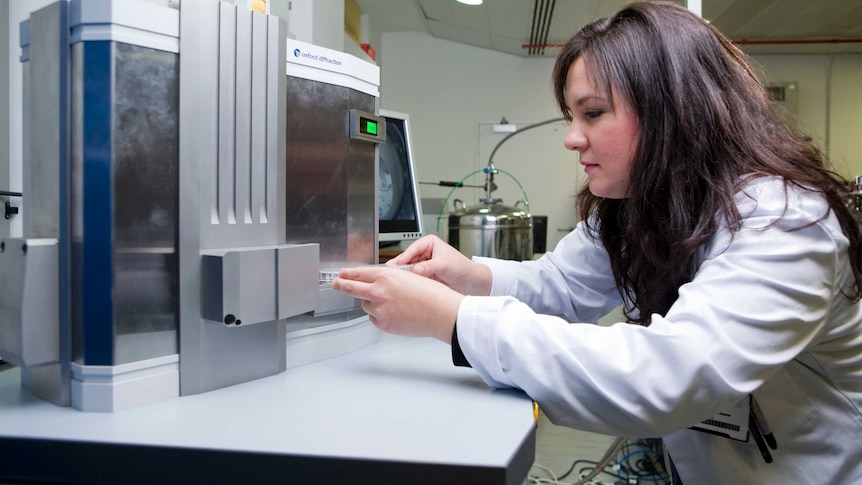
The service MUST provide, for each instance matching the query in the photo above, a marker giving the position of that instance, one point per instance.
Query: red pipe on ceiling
(785, 42)
(739, 42)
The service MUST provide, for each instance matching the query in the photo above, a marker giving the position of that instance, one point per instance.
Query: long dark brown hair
(706, 125)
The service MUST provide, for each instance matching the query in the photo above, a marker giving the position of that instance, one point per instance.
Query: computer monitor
(399, 207)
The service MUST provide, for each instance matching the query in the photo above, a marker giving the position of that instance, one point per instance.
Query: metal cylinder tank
(492, 229)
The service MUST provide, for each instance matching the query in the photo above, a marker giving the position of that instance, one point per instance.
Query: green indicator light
(371, 127)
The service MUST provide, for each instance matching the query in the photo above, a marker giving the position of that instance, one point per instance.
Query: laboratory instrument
(188, 173)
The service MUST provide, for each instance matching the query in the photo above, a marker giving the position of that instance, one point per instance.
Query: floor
(558, 447)
(564, 455)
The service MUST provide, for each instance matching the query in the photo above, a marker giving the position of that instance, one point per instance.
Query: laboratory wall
(454, 94)
(453, 91)
(829, 101)
(320, 22)
(845, 107)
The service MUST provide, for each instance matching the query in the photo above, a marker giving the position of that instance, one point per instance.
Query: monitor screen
(399, 209)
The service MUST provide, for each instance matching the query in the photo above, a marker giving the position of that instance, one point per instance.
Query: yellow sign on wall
(352, 20)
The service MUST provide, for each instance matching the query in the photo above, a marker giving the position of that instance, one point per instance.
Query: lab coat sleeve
(760, 298)
(574, 281)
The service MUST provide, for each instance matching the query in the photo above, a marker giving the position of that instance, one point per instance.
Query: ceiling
(758, 26)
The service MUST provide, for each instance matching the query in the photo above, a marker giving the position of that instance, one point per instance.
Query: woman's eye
(593, 113)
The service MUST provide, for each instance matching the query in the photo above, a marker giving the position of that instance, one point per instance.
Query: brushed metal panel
(242, 168)
(239, 286)
(276, 121)
(145, 185)
(257, 86)
(216, 180)
(29, 312)
(224, 176)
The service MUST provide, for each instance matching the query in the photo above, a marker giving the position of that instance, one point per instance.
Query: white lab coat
(764, 314)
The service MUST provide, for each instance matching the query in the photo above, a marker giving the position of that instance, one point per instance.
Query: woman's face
(604, 134)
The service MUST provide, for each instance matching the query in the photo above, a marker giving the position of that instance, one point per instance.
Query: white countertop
(398, 400)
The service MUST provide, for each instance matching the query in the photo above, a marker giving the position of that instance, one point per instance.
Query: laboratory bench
(396, 411)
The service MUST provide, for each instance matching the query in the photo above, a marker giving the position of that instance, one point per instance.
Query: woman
(721, 232)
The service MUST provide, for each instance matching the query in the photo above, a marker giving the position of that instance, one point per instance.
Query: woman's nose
(575, 139)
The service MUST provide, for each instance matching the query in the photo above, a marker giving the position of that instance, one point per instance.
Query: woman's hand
(401, 302)
(433, 258)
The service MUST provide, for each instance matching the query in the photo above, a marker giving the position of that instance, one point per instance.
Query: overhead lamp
(470, 2)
